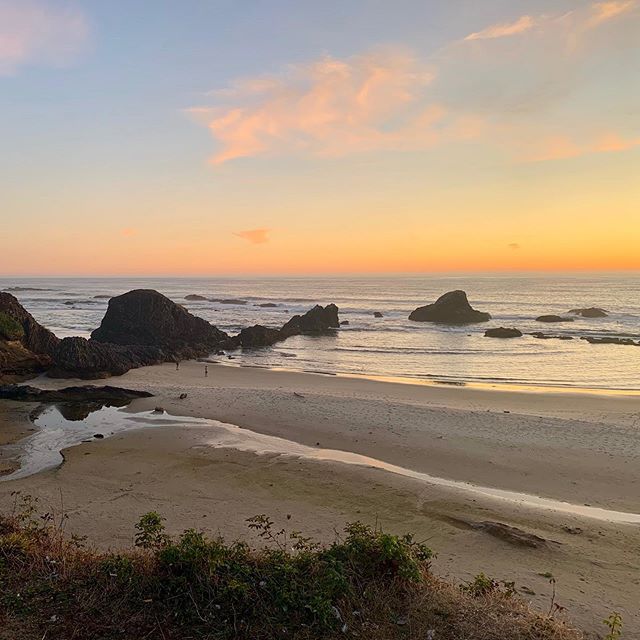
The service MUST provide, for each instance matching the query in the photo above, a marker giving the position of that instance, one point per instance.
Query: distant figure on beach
(177, 365)
(206, 370)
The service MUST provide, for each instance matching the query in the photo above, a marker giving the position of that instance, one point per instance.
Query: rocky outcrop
(194, 296)
(611, 340)
(502, 332)
(553, 318)
(547, 336)
(88, 393)
(90, 359)
(144, 317)
(35, 337)
(17, 363)
(317, 320)
(590, 312)
(257, 336)
(450, 308)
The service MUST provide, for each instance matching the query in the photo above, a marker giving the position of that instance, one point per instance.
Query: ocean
(392, 346)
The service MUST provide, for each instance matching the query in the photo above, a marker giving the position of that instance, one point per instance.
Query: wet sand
(578, 448)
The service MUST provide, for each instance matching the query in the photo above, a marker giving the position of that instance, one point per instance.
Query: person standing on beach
(206, 371)
(177, 365)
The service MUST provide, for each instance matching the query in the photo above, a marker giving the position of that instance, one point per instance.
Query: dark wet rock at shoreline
(553, 318)
(344, 323)
(267, 305)
(103, 296)
(195, 296)
(18, 363)
(90, 359)
(377, 314)
(503, 332)
(144, 317)
(88, 393)
(450, 308)
(590, 312)
(547, 336)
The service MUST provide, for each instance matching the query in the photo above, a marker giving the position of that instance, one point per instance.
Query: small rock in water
(99, 436)
(183, 396)
(158, 410)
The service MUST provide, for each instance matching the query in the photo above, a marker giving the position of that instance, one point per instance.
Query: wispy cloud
(35, 32)
(504, 29)
(331, 107)
(563, 147)
(603, 11)
(506, 86)
(254, 236)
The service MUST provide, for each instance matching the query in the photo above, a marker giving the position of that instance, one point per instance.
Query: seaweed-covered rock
(450, 308)
(87, 393)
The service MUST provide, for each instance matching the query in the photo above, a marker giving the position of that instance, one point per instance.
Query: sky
(224, 137)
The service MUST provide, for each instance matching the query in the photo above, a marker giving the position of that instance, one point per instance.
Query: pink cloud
(331, 107)
(563, 147)
(254, 236)
(603, 11)
(504, 29)
(32, 32)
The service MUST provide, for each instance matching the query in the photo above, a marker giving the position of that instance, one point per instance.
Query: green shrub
(10, 329)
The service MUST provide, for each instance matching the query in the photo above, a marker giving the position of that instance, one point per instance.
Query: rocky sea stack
(450, 308)
(144, 317)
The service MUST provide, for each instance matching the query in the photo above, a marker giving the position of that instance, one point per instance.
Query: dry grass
(368, 585)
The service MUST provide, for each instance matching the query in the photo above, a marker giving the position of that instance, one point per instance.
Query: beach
(579, 448)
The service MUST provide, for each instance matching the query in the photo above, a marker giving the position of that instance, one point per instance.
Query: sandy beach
(575, 447)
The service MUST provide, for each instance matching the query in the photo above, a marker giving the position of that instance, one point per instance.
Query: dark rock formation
(147, 318)
(88, 393)
(228, 301)
(18, 363)
(36, 338)
(90, 359)
(344, 323)
(450, 308)
(194, 296)
(611, 340)
(316, 320)
(502, 332)
(267, 305)
(377, 314)
(590, 312)
(547, 336)
(553, 318)
(258, 336)
(102, 297)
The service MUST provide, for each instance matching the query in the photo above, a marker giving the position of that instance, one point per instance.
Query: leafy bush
(10, 329)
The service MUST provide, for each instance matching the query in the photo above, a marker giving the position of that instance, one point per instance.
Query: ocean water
(392, 346)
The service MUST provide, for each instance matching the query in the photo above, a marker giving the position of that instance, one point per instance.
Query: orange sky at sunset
(501, 138)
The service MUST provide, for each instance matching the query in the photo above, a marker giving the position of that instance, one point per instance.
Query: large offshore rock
(450, 308)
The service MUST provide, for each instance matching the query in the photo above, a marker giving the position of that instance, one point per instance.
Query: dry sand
(580, 448)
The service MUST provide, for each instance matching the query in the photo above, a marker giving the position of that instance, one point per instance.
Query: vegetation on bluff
(367, 584)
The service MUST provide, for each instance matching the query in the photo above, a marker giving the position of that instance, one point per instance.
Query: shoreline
(576, 447)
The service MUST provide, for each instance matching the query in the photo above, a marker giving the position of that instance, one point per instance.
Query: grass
(10, 329)
(367, 584)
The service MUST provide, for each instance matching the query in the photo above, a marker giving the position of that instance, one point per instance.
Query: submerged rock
(590, 312)
(145, 317)
(450, 308)
(553, 318)
(377, 314)
(502, 332)
(547, 336)
(267, 305)
(611, 340)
